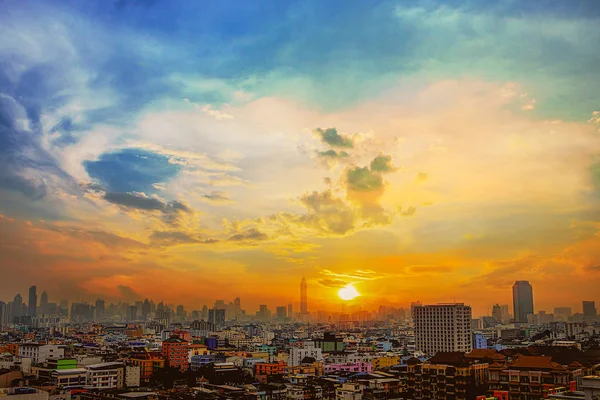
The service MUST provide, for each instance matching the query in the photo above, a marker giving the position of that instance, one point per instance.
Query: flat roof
(136, 394)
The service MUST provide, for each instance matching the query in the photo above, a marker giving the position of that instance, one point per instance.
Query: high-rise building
(589, 310)
(4, 314)
(497, 312)
(443, 327)
(237, 307)
(17, 306)
(522, 300)
(280, 312)
(216, 316)
(44, 303)
(562, 313)
(100, 309)
(505, 313)
(303, 297)
(289, 311)
(32, 304)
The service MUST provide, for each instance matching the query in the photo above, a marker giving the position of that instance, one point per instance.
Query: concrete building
(442, 327)
(589, 310)
(69, 378)
(108, 375)
(32, 304)
(175, 350)
(300, 350)
(39, 353)
(522, 300)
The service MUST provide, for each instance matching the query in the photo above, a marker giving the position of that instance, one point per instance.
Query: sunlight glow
(348, 292)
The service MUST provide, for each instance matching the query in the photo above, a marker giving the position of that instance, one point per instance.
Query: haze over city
(417, 151)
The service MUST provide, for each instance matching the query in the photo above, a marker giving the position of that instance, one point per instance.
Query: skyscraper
(32, 304)
(237, 307)
(303, 297)
(281, 312)
(522, 300)
(17, 307)
(589, 310)
(44, 303)
(289, 311)
(497, 312)
(442, 327)
(100, 309)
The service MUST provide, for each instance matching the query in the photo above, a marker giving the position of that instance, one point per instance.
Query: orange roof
(535, 362)
(486, 353)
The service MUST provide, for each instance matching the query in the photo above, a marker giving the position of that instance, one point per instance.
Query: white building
(39, 353)
(300, 350)
(132, 376)
(443, 327)
(106, 375)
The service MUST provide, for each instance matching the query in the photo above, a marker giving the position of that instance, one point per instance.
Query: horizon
(415, 150)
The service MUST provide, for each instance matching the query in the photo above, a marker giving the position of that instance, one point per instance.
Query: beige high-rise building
(443, 327)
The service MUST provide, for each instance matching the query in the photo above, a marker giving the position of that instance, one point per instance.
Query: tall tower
(303, 297)
(44, 303)
(32, 304)
(522, 300)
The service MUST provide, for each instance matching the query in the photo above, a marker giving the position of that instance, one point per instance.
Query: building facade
(442, 327)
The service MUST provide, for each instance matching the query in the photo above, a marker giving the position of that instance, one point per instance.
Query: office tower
(220, 305)
(44, 303)
(263, 313)
(100, 309)
(17, 306)
(216, 317)
(497, 312)
(180, 311)
(132, 313)
(205, 312)
(237, 307)
(303, 297)
(280, 312)
(522, 300)
(289, 311)
(562, 313)
(589, 310)
(32, 304)
(4, 314)
(146, 309)
(442, 327)
(505, 313)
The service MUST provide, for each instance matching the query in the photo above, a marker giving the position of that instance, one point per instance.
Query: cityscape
(425, 351)
(299, 199)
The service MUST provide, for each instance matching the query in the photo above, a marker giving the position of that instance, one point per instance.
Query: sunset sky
(189, 151)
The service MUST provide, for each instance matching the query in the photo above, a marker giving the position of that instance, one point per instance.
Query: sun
(348, 292)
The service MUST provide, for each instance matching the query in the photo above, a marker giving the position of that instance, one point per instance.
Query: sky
(189, 151)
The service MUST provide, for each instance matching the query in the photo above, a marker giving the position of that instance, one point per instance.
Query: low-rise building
(108, 375)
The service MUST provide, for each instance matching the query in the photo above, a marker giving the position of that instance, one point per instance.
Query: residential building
(175, 351)
(301, 350)
(149, 362)
(349, 391)
(108, 375)
(522, 300)
(24, 393)
(355, 367)
(447, 375)
(69, 378)
(39, 352)
(442, 327)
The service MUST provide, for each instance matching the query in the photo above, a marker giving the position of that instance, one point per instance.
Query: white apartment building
(106, 375)
(39, 353)
(300, 350)
(443, 327)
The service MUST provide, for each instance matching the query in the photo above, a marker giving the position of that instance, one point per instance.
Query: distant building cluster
(430, 351)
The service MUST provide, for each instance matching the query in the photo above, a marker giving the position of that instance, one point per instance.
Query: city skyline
(416, 150)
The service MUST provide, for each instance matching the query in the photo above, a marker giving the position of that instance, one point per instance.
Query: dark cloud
(216, 197)
(382, 163)
(107, 239)
(250, 235)
(333, 154)
(332, 283)
(171, 210)
(327, 212)
(362, 179)
(331, 137)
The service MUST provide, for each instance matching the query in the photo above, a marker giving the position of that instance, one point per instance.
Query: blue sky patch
(131, 170)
